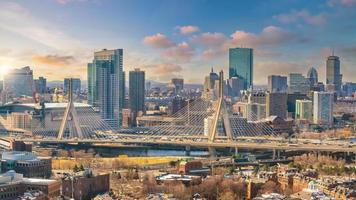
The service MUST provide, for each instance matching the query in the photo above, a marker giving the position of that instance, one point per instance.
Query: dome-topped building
(313, 76)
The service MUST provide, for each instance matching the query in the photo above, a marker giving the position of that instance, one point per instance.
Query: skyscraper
(209, 84)
(333, 76)
(19, 81)
(178, 84)
(234, 86)
(277, 83)
(92, 92)
(312, 76)
(137, 93)
(276, 104)
(323, 108)
(304, 110)
(106, 85)
(241, 65)
(40, 85)
(76, 85)
(298, 84)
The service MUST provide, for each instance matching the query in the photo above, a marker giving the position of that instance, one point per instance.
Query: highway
(251, 144)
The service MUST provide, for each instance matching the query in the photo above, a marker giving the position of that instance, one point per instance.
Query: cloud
(209, 39)
(162, 71)
(180, 52)
(158, 41)
(270, 36)
(185, 30)
(170, 50)
(347, 3)
(63, 2)
(295, 16)
(19, 20)
(55, 60)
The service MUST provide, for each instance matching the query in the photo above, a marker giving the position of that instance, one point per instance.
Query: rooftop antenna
(333, 51)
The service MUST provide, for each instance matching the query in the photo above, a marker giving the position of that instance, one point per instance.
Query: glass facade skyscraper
(106, 85)
(241, 65)
(19, 82)
(277, 83)
(137, 92)
(76, 85)
(333, 76)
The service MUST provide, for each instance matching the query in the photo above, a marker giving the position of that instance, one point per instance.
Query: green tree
(75, 168)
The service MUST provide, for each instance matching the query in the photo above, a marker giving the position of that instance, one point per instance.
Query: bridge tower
(221, 113)
(70, 111)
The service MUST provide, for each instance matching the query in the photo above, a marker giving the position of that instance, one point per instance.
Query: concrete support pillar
(274, 154)
(278, 154)
(187, 150)
(212, 151)
(236, 151)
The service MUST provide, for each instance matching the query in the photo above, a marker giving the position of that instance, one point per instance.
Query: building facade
(137, 93)
(276, 105)
(76, 85)
(298, 84)
(333, 76)
(304, 110)
(19, 82)
(277, 83)
(241, 65)
(27, 163)
(106, 85)
(323, 108)
(312, 76)
(41, 85)
(178, 84)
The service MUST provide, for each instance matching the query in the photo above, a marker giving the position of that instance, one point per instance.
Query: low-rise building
(86, 185)
(26, 163)
(14, 185)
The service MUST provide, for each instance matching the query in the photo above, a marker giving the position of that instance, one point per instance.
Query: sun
(3, 70)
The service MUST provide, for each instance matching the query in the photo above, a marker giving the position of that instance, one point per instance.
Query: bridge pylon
(70, 111)
(221, 114)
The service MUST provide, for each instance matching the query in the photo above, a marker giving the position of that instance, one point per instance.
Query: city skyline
(287, 37)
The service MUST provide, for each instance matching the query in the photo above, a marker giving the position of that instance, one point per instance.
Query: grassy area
(113, 163)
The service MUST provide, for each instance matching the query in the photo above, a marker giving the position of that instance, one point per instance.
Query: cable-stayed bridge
(201, 123)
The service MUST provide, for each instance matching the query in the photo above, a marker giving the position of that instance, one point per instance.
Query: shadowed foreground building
(86, 186)
(26, 163)
(13, 185)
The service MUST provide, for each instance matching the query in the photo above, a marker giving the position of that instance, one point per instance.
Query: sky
(177, 38)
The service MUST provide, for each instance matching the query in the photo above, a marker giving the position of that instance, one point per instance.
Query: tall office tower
(304, 110)
(92, 91)
(177, 104)
(209, 84)
(106, 85)
(137, 93)
(276, 104)
(234, 86)
(323, 108)
(277, 83)
(241, 65)
(76, 85)
(333, 76)
(298, 84)
(40, 85)
(257, 97)
(312, 76)
(19, 82)
(178, 84)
